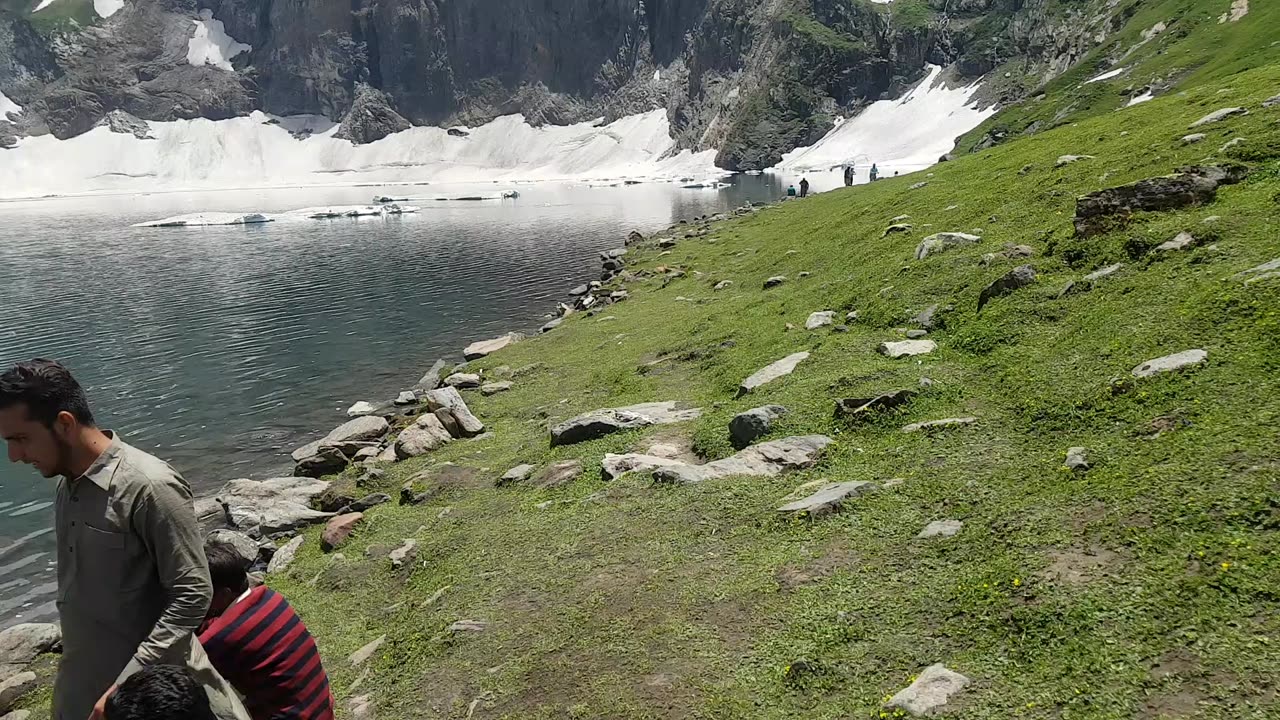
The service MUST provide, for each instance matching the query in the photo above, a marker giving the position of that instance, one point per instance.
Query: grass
(62, 15)
(1145, 587)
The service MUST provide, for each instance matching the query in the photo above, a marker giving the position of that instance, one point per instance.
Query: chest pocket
(102, 565)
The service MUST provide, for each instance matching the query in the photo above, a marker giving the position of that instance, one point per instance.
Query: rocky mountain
(751, 78)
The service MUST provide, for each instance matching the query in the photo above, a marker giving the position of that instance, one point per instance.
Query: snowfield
(8, 106)
(211, 45)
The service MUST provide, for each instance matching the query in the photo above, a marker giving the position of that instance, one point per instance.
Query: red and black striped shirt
(261, 647)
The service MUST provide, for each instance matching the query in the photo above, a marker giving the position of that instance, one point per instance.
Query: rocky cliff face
(753, 78)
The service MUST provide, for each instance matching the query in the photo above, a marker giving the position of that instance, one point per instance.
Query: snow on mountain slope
(902, 135)
(258, 151)
(107, 8)
(8, 106)
(211, 45)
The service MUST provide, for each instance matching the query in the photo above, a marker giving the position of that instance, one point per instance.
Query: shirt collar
(104, 467)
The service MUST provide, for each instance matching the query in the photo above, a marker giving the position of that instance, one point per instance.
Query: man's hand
(100, 707)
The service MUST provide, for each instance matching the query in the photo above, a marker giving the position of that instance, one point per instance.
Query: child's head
(160, 692)
(230, 574)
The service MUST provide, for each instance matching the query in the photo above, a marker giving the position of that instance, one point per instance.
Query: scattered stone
(551, 325)
(1069, 159)
(599, 423)
(840, 328)
(819, 319)
(1017, 278)
(1100, 211)
(930, 692)
(1170, 363)
(463, 381)
(828, 498)
(21, 644)
(370, 427)
(517, 474)
(477, 350)
(449, 401)
(747, 427)
(368, 502)
(1026, 169)
(906, 348)
(558, 474)
(940, 528)
(362, 655)
(723, 284)
(1234, 142)
(854, 409)
(245, 546)
(264, 507)
(772, 372)
(431, 379)
(1181, 241)
(918, 185)
(899, 228)
(465, 626)
(361, 408)
(942, 241)
(15, 687)
(939, 424)
(1265, 270)
(805, 274)
(427, 433)
(284, 556)
(851, 316)
(408, 397)
(774, 281)
(614, 466)
(1193, 138)
(494, 388)
(766, 459)
(916, 334)
(1097, 275)
(361, 707)
(1271, 102)
(403, 554)
(1077, 459)
(1219, 116)
(338, 531)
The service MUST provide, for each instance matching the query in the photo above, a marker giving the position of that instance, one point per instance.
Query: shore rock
(599, 423)
(21, 644)
(13, 688)
(766, 459)
(360, 409)
(906, 348)
(338, 531)
(747, 427)
(450, 401)
(1077, 459)
(855, 409)
(940, 528)
(1219, 116)
(407, 397)
(431, 379)
(328, 460)
(930, 692)
(362, 428)
(939, 424)
(1104, 210)
(284, 557)
(264, 507)
(1170, 363)
(494, 388)
(463, 381)
(483, 348)
(517, 474)
(558, 474)
(245, 546)
(1015, 279)
(772, 372)
(819, 319)
(942, 241)
(828, 498)
(426, 434)
(551, 325)
(613, 466)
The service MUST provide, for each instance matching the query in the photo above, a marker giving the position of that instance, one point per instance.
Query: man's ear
(65, 426)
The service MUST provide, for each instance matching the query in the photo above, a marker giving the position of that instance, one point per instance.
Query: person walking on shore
(133, 585)
(875, 172)
(804, 187)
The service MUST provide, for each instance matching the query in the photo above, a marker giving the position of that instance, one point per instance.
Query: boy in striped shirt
(259, 644)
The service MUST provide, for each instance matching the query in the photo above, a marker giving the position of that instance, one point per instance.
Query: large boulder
(264, 507)
(245, 546)
(338, 531)
(448, 400)
(1015, 279)
(929, 693)
(426, 434)
(21, 644)
(370, 118)
(771, 372)
(477, 350)
(370, 427)
(327, 460)
(598, 423)
(431, 379)
(766, 459)
(747, 427)
(942, 241)
(1107, 209)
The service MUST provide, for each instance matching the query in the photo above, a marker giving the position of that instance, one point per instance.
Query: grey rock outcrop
(371, 117)
(747, 427)
(427, 433)
(614, 466)
(448, 400)
(483, 348)
(368, 427)
(1015, 279)
(1104, 210)
(943, 241)
(771, 372)
(1219, 116)
(599, 423)
(264, 507)
(930, 692)
(828, 498)
(906, 348)
(1171, 363)
(766, 459)
(285, 556)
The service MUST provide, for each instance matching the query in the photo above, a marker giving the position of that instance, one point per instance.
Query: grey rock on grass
(942, 241)
(1077, 459)
(1015, 279)
(766, 460)
(930, 692)
(1181, 241)
(1219, 116)
(771, 372)
(284, 556)
(558, 474)
(427, 433)
(828, 498)
(494, 388)
(403, 554)
(599, 423)
(940, 528)
(774, 281)
(942, 424)
(819, 319)
(1171, 363)
(363, 655)
(906, 348)
(448, 400)
(614, 466)
(747, 427)
(517, 474)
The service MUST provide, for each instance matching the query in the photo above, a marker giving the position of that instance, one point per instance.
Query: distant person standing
(791, 191)
(133, 586)
(804, 187)
(875, 172)
(848, 175)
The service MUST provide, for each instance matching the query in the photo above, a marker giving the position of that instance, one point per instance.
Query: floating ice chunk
(211, 218)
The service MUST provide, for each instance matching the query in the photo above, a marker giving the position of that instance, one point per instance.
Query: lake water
(221, 349)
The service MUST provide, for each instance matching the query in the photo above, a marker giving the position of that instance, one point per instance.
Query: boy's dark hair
(227, 567)
(46, 388)
(160, 692)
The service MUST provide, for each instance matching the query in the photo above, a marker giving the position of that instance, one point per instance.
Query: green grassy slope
(1146, 587)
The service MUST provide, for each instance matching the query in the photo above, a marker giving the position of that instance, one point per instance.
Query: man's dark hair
(160, 692)
(46, 388)
(227, 567)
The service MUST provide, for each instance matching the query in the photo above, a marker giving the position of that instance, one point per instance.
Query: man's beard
(63, 460)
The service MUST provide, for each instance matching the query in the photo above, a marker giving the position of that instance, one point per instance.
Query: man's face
(31, 442)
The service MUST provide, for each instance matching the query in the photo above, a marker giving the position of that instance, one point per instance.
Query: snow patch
(8, 106)
(902, 135)
(259, 151)
(205, 219)
(107, 8)
(43, 4)
(1105, 76)
(1139, 99)
(211, 45)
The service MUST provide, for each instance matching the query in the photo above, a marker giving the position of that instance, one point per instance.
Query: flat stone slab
(939, 424)
(264, 506)
(614, 466)
(284, 556)
(494, 388)
(828, 498)
(362, 655)
(449, 400)
(598, 423)
(930, 692)
(766, 460)
(940, 528)
(517, 474)
(369, 427)
(819, 319)
(463, 381)
(1097, 275)
(1219, 116)
(772, 372)
(942, 241)
(1171, 363)
(483, 348)
(906, 348)
(1077, 459)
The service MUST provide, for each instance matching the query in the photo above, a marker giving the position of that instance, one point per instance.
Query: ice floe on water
(902, 135)
(332, 212)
